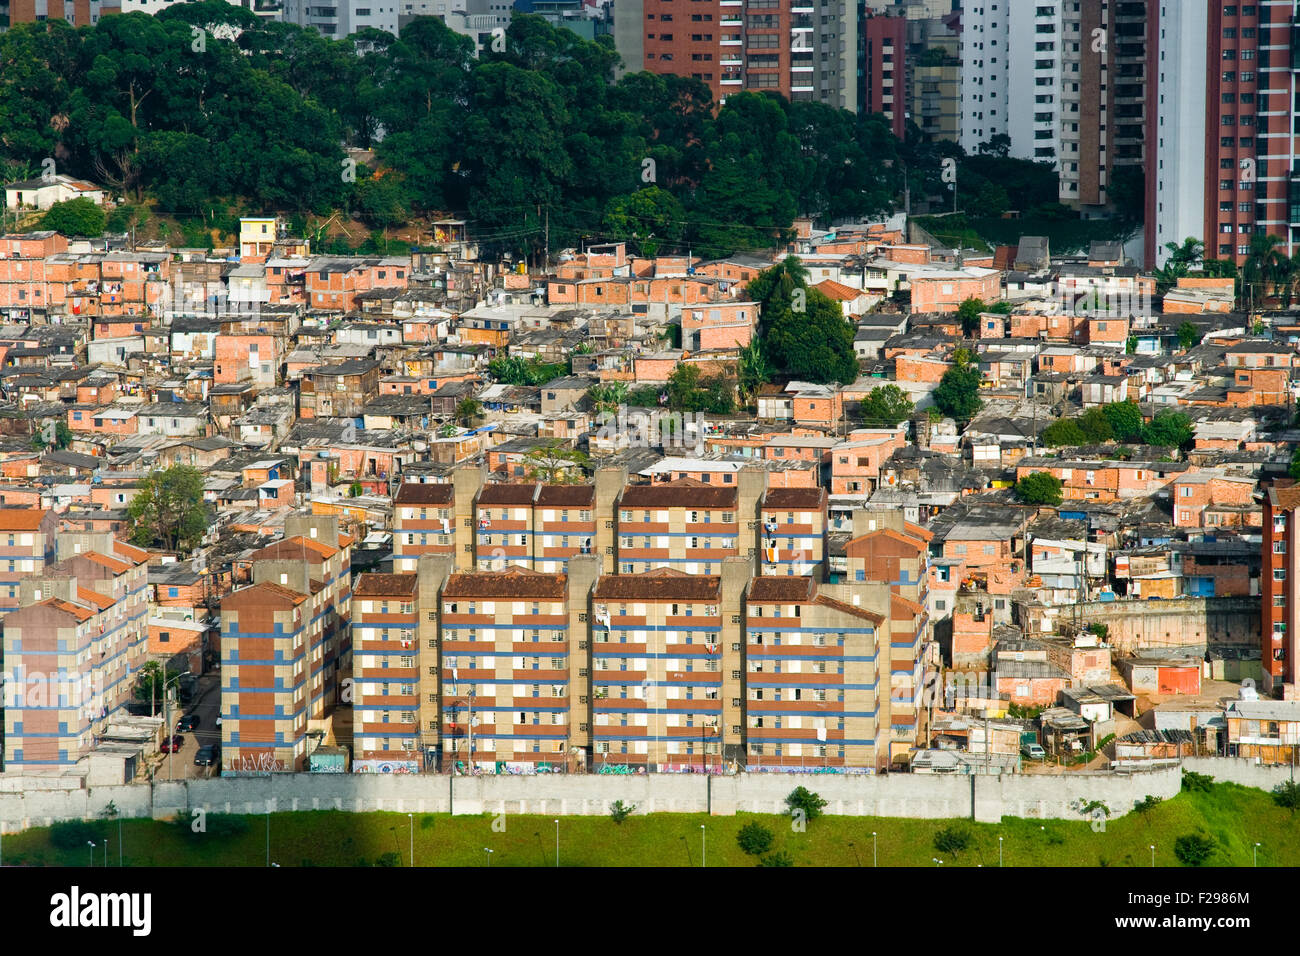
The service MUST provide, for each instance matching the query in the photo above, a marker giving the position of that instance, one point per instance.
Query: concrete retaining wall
(987, 799)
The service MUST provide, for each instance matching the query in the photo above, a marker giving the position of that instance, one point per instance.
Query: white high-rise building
(983, 48)
(1179, 147)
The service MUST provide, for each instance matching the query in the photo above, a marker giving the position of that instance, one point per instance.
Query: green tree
(886, 405)
(169, 509)
(807, 336)
(803, 802)
(468, 410)
(649, 218)
(957, 394)
(1188, 335)
(753, 371)
(1294, 469)
(1182, 258)
(75, 217)
(606, 398)
(1096, 426)
(1287, 794)
(150, 680)
(1062, 432)
(555, 463)
(53, 433)
(754, 838)
(1194, 849)
(1131, 345)
(1039, 488)
(779, 858)
(1125, 420)
(690, 391)
(1168, 428)
(969, 313)
(952, 840)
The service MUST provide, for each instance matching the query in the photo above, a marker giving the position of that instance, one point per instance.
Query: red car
(173, 744)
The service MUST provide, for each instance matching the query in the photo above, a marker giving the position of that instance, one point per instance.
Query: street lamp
(1254, 854)
(411, 818)
(702, 846)
(489, 857)
(91, 844)
(557, 843)
(936, 861)
(1153, 856)
(999, 851)
(873, 848)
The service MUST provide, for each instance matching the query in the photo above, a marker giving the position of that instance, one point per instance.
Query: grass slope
(1236, 817)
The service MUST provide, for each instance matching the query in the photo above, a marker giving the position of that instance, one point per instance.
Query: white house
(43, 193)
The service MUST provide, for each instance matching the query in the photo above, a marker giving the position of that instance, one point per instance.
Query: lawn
(1236, 817)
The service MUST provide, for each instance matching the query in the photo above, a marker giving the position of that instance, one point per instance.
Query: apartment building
(666, 668)
(1223, 154)
(286, 646)
(1279, 595)
(71, 651)
(512, 646)
(884, 70)
(424, 522)
(814, 677)
(386, 726)
(534, 525)
(687, 525)
(27, 546)
(793, 529)
(984, 50)
(802, 49)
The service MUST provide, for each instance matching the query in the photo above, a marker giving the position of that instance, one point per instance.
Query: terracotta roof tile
(512, 583)
(661, 584)
(383, 585)
(425, 493)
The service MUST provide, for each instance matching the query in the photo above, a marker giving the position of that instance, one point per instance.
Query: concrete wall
(1138, 625)
(34, 801)
(988, 799)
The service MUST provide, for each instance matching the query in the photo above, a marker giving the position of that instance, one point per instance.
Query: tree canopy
(958, 392)
(205, 109)
(886, 405)
(804, 334)
(1039, 488)
(169, 509)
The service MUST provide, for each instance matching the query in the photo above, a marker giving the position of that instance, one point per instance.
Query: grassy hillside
(1236, 817)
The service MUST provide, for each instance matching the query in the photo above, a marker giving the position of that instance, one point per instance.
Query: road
(206, 702)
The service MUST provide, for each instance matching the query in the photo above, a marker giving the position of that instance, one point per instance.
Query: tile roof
(512, 583)
(661, 584)
(425, 493)
(685, 493)
(382, 585)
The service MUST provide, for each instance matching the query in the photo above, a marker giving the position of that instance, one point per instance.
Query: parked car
(1034, 752)
(187, 724)
(207, 755)
(172, 744)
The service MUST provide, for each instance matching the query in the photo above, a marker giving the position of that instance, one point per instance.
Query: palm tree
(1181, 260)
(1262, 266)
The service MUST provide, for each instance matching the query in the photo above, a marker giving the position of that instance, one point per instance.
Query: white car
(1034, 752)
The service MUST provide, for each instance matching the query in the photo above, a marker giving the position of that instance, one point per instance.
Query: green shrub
(389, 859)
(780, 858)
(620, 811)
(1148, 803)
(802, 800)
(1287, 794)
(754, 838)
(1197, 782)
(1194, 849)
(75, 834)
(951, 840)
